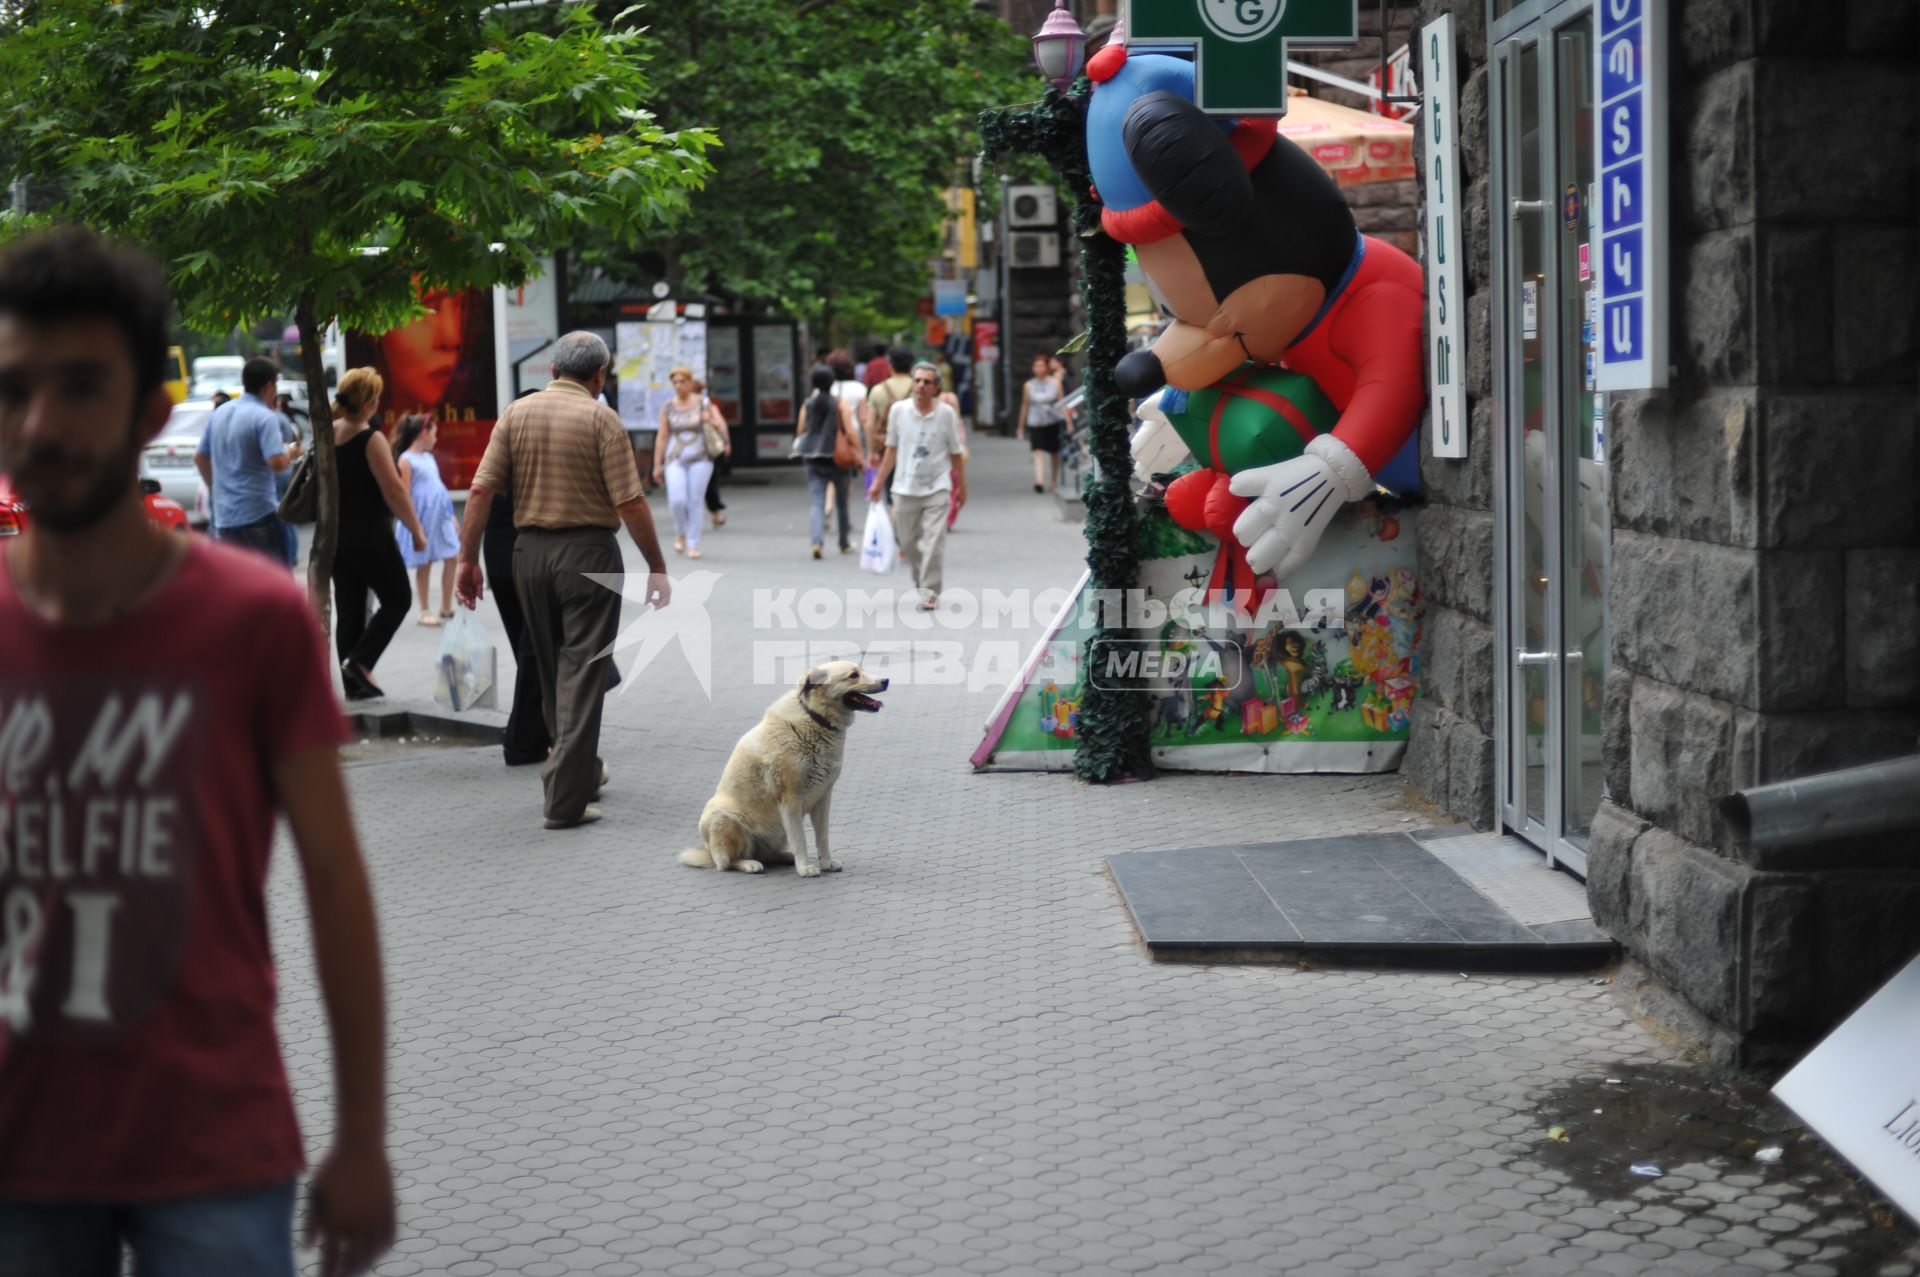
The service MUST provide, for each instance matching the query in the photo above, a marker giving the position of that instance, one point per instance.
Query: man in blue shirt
(243, 448)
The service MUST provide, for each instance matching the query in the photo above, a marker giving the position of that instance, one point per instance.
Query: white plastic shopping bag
(464, 671)
(877, 550)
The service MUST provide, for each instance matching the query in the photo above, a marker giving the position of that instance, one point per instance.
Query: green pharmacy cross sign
(1240, 46)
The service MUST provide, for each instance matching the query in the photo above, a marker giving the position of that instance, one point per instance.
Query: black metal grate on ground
(1378, 898)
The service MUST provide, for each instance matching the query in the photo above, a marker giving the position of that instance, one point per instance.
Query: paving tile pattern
(953, 1057)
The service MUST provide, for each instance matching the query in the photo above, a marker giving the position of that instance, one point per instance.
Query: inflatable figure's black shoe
(1139, 374)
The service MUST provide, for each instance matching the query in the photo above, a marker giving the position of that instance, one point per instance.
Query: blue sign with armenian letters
(1630, 141)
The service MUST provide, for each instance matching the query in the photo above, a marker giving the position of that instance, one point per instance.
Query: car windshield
(189, 421)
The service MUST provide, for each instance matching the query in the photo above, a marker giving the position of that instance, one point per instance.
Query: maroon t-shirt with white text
(138, 1057)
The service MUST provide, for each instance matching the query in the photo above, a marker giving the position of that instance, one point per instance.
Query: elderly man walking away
(564, 456)
(926, 462)
(245, 445)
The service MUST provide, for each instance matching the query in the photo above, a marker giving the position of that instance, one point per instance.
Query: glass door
(1552, 617)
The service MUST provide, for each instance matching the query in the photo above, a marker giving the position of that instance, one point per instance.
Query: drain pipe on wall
(1877, 798)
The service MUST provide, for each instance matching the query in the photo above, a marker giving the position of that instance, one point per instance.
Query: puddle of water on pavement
(1703, 1133)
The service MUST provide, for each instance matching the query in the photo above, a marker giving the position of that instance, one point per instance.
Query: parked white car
(168, 460)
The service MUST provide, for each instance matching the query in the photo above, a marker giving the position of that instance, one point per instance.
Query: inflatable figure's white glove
(1294, 501)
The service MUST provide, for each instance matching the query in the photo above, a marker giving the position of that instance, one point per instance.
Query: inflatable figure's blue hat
(1131, 214)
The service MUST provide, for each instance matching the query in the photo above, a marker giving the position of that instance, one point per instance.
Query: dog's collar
(815, 715)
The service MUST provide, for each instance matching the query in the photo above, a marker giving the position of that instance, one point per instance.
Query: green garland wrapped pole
(1113, 741)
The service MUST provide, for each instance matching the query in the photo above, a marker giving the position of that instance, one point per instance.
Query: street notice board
(1860, 1089)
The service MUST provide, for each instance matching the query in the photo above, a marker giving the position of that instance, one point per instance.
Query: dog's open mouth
(860, 701)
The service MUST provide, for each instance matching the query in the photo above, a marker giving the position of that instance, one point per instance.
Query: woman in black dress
(367, 557)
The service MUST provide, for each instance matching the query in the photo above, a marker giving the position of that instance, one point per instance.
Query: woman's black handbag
(301, 504)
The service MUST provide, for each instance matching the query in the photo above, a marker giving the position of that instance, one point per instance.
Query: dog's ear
(815, 677)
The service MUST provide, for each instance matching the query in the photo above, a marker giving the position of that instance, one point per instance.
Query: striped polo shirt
(565, 457)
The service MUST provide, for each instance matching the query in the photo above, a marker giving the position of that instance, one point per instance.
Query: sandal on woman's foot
(929, 604)
(816, 551)
(719, 520)
(679, 545)
(429, 620)
(447, 615)
(694, 553)
(846, 549)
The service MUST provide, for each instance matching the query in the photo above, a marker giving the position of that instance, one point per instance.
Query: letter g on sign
(1240, 20)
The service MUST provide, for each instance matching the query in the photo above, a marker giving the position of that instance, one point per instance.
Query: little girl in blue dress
(413, 444)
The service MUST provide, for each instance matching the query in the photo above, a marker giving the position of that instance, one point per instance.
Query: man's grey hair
(929, 366)
(579, 355)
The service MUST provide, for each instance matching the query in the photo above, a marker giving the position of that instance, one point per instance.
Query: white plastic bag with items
(877, 550)
(464, 670)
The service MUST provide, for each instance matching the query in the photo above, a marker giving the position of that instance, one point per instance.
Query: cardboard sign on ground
(1860, 1089)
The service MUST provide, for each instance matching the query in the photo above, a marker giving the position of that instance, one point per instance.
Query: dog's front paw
(751, 866)
(806, 870)
(829, 865)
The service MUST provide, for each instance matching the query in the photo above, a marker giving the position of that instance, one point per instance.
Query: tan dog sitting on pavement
(783, 772)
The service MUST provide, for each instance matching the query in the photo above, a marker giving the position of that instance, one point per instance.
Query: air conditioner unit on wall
(1033, 249)
(1032, 206)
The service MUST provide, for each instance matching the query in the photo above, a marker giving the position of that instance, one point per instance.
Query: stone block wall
(1766, 523)
(1765, 585)
(1450, 751)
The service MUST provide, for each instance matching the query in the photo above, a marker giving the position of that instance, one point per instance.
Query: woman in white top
(849, 390)
(1039, 422)
(680, 458)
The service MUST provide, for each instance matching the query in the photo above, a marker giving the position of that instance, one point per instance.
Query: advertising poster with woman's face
(442, 365)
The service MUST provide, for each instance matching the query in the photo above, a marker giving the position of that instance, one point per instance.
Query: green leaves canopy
(843, 122)
(259, 149)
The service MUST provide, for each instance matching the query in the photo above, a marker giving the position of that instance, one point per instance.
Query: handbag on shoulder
(846, 454)
(301, 502)
(716, 441)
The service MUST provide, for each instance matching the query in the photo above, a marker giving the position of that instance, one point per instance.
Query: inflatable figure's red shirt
(1365, 354)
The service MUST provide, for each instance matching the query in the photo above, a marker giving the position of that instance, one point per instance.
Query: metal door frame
(1532, 24)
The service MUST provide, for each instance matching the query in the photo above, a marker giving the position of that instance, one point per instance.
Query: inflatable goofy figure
(1253, 248)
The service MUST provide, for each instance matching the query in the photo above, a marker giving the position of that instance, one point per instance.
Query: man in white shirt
(929, 473)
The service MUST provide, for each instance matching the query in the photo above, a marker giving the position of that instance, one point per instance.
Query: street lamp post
(1060, 47)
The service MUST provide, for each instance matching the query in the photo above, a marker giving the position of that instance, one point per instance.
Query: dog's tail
(698, 857)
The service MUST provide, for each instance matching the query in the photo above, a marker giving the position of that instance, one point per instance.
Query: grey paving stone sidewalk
(954, 1057)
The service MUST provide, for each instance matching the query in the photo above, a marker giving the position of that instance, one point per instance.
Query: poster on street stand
(1323, 680)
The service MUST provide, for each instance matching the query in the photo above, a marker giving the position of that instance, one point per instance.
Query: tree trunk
(326, 526)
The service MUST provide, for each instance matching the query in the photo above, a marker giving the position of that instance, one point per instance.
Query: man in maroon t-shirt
(161, 700)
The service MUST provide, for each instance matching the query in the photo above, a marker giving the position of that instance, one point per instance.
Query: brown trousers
(569, 620)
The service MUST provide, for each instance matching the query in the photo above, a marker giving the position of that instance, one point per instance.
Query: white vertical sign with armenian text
(1631, 142)
(1860, 1089)
(1446, 280)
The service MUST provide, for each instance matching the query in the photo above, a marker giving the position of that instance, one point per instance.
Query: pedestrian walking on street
(847, 388)
(420, 475)
(829, 446)
(722, 464)
(928, 470)
(1040, 421)
(895, 388)
(563, 455)
(144, 1105)
(683, 460)
(243, 447)
(365, 558)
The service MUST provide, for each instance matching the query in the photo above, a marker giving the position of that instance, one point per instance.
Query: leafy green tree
(843, 121)
(331, 160)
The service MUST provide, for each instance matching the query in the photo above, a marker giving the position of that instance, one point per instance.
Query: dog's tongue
(864, 701)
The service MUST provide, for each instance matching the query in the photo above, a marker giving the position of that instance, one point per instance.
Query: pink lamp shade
(1061, 47)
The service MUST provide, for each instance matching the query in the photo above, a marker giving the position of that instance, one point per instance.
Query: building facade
(1642, 601)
